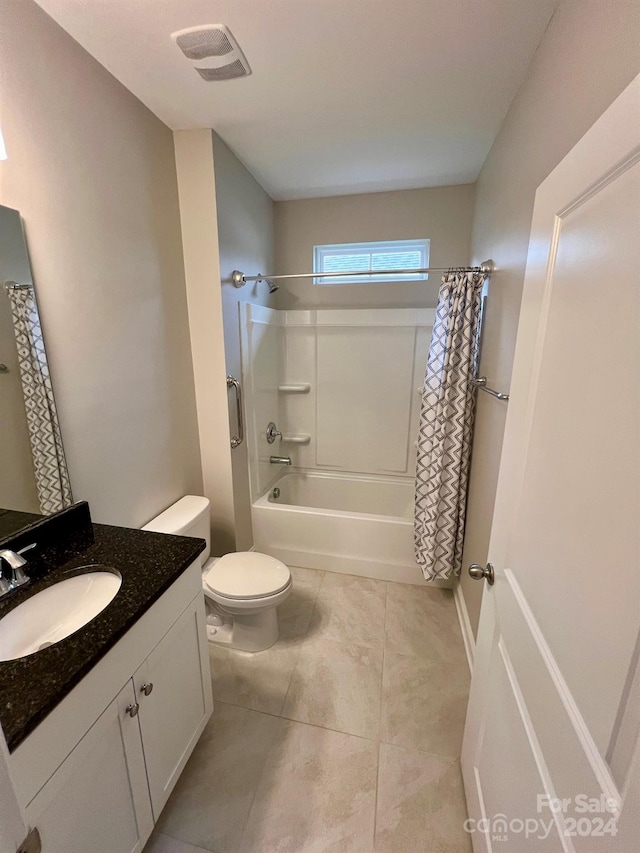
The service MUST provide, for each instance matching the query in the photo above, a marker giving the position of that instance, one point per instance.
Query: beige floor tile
(316, 794)
(338, 686)
(256, 681)
(422, 621)
(421, 806)
(350, 609)
(294, 615)
(209, 806)
(424, 703)
(159, 843)
(308, 577)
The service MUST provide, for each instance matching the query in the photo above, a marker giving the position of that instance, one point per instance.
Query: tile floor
(345, 736)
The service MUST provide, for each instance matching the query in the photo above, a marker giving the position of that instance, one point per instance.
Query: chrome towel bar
(481, 383)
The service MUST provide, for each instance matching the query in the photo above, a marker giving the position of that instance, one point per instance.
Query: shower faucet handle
(272, 432)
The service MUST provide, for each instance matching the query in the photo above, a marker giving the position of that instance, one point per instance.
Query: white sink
(56, 612)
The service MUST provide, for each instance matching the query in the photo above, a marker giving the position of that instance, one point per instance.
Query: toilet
(242, 590)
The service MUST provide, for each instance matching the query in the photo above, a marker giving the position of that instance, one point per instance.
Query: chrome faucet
(13, 575)
(280, 460)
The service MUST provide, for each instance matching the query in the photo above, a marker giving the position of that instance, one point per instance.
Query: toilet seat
(246, 575)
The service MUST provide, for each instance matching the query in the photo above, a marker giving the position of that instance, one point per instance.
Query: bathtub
(355, 524)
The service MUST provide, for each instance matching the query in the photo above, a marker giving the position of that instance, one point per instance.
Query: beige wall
(198, 215)
(246, 243)
(227, 224)
(443, 214)
(92, 171)
(589, 53)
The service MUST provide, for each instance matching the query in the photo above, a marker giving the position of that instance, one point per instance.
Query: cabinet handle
(147, 688)
(132, 710)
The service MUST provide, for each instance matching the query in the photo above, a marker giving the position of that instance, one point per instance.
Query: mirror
(33, 473)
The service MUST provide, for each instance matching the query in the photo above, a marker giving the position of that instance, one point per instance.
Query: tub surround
(346, 502)
(148, 562)
(358, 376)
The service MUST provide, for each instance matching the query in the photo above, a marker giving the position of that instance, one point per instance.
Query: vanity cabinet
(108, 791)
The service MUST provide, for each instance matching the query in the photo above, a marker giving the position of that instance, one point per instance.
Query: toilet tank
(187, 517)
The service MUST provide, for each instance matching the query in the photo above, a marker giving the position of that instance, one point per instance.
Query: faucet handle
(272, 432)
(13, 560)
(14, 575)
(18, 577)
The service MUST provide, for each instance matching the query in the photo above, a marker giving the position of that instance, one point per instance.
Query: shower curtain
(52, 478)
(446, 426)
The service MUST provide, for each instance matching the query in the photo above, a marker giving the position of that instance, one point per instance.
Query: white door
(550, 756)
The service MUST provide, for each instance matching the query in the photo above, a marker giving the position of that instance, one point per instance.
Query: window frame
(389, 246)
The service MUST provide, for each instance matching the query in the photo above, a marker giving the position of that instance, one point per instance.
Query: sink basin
(56, 612)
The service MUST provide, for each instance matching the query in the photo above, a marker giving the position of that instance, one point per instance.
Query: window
(389, 255)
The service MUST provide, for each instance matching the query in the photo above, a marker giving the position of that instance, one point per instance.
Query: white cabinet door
(13, 827)
(173, 688)
(551, 755)
(98, 799)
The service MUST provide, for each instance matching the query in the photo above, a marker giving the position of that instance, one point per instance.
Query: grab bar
(232, 382)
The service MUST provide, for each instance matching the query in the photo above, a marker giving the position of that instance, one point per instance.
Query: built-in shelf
(301, 438)
(295, 388)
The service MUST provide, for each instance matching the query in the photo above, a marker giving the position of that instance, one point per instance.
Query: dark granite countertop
(149, 563)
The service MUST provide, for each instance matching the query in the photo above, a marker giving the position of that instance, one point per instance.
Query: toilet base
(250, 632)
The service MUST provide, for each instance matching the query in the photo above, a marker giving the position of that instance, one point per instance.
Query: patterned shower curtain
(446, 426)
(52, 478)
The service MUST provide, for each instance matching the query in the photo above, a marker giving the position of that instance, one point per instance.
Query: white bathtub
(356, 524)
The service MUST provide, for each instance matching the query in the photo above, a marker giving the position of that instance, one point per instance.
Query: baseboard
(465, 624)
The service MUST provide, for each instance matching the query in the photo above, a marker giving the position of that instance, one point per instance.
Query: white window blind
(352, 257)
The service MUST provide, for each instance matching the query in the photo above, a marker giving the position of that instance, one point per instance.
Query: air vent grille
(225, 72)
(203, 43)
(215, 47)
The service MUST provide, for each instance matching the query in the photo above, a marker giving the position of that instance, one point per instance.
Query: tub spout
(280, 460)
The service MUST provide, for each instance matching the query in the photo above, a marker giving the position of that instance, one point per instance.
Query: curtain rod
(239, 279)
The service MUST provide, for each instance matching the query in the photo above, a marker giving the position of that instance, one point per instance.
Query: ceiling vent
(215, 50)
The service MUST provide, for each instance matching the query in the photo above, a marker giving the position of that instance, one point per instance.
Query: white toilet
(242, 590)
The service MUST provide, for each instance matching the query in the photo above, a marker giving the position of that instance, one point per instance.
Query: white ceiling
(346, 96)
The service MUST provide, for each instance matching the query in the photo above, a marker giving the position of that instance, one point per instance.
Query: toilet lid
(247, 574)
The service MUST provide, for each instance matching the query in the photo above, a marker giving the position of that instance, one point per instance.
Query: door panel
(176, 710)
(582, 476)
(511, 724)
(559, 632)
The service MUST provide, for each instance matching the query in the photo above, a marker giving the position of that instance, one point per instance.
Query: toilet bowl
(242, 590)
